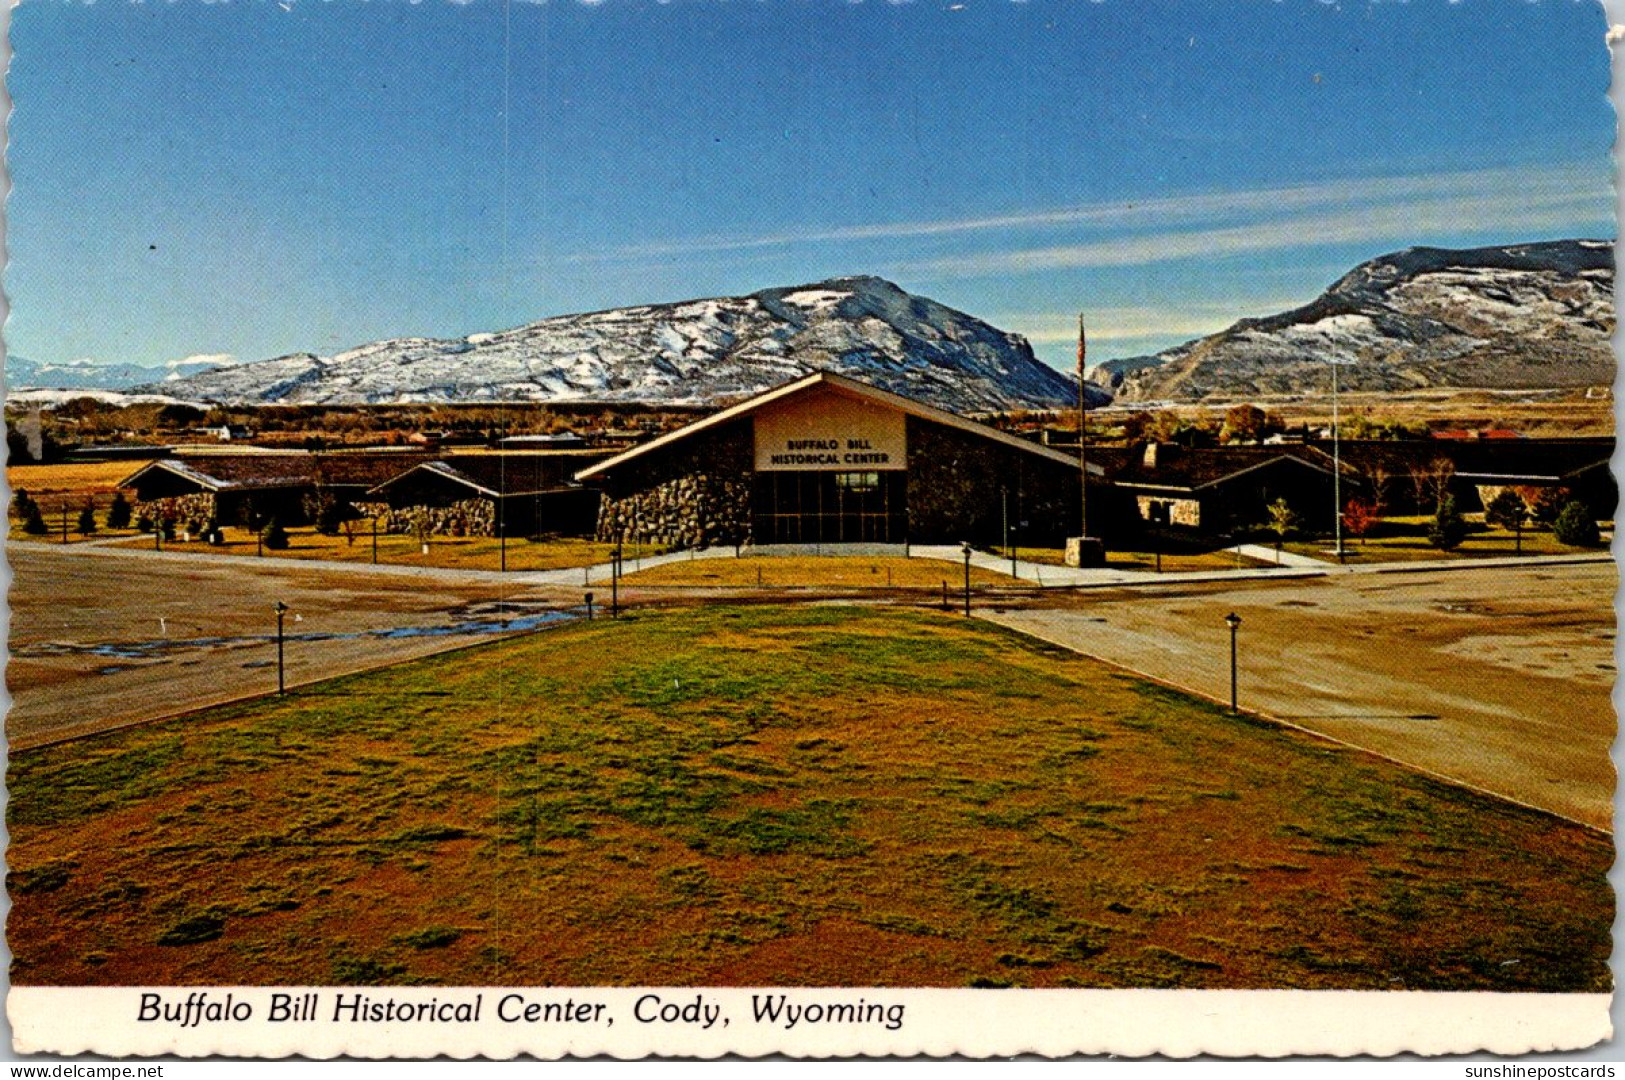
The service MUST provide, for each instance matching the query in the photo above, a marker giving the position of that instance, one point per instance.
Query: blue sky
(255, 177)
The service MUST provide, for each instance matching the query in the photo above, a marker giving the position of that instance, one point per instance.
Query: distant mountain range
(1535, 316)
(698, 352)
(25, 374)
(1524, 316)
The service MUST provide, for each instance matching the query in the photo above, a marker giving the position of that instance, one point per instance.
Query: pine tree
(1449, 528)
(276, 537)
(87, 518)
(118, 514)
(34, 520)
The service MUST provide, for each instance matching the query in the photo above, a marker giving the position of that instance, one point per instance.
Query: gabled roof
(1198, 469)
(492, 475)
(848, 387)
(230, 472)
(273, 469)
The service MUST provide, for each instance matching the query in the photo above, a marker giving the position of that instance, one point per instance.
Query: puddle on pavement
(472, 620)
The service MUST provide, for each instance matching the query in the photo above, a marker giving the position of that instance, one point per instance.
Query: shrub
(34, 520)
(1576, 527)
(1449, 528)
(87, 519)
(118, 515)
(198, 928)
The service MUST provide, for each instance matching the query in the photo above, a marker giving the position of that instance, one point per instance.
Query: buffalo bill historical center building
(828, 460)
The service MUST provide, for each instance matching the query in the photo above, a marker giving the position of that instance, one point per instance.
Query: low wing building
(522, 494)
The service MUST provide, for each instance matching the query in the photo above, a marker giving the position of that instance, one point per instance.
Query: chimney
(1156, 452)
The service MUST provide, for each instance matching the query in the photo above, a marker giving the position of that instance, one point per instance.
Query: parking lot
(1499, 678)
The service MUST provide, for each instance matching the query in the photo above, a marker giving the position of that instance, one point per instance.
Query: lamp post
(1233, 621)
(615, 581)
(281, 609)
(965, 547)
(375, 539)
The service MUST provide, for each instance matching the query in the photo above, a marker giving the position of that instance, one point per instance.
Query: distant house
(1222, 489)
(562, 440)
(231, 432)
(428, 439)
(239, 488)
(518, 494)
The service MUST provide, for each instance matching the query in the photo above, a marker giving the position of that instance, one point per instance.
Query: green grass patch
(820, 795)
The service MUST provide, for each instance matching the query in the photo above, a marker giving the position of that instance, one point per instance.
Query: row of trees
(1569, 519)
(27, 510)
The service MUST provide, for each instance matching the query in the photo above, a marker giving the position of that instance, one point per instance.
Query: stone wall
(958, 484)
(1183, 512)
(694, 494)
(184, 510)
(466, 517)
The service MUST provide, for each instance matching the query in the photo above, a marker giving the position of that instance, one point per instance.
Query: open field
(1497, 677)
(817, 571)
(48, 482)
(445, 552)
(821, 795)
(1544, 413)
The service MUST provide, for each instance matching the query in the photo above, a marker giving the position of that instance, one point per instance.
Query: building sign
(828, 432)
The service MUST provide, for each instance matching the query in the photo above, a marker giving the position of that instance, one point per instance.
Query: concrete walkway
(1044, 575)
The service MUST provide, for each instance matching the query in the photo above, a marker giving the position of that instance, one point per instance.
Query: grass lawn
(1404, 539)
(1172, 563)
(827, 571)
(747, 796)
(450, 552)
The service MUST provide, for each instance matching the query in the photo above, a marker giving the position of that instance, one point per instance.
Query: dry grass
(821, 571)
(55, 482)
(809, 796)
(447, 552)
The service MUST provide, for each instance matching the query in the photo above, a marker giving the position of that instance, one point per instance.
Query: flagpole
(1083, 439)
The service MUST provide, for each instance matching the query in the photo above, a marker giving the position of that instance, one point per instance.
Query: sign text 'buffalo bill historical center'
(827, 460)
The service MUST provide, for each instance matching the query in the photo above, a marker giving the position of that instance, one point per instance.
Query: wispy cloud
(1136, 323)
(1246, 220)
(1410, 221)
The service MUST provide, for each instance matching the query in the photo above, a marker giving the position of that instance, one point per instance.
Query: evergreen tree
(276, 537)
(34, 520)
(1576, 527)
(1449, 528)
(87, 518)
(118, 514)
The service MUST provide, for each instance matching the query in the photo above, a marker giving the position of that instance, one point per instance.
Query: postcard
(688, 527)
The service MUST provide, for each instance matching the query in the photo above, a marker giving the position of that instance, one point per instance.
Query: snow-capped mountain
(1525, 316)
(699, 352)
(25, 374)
